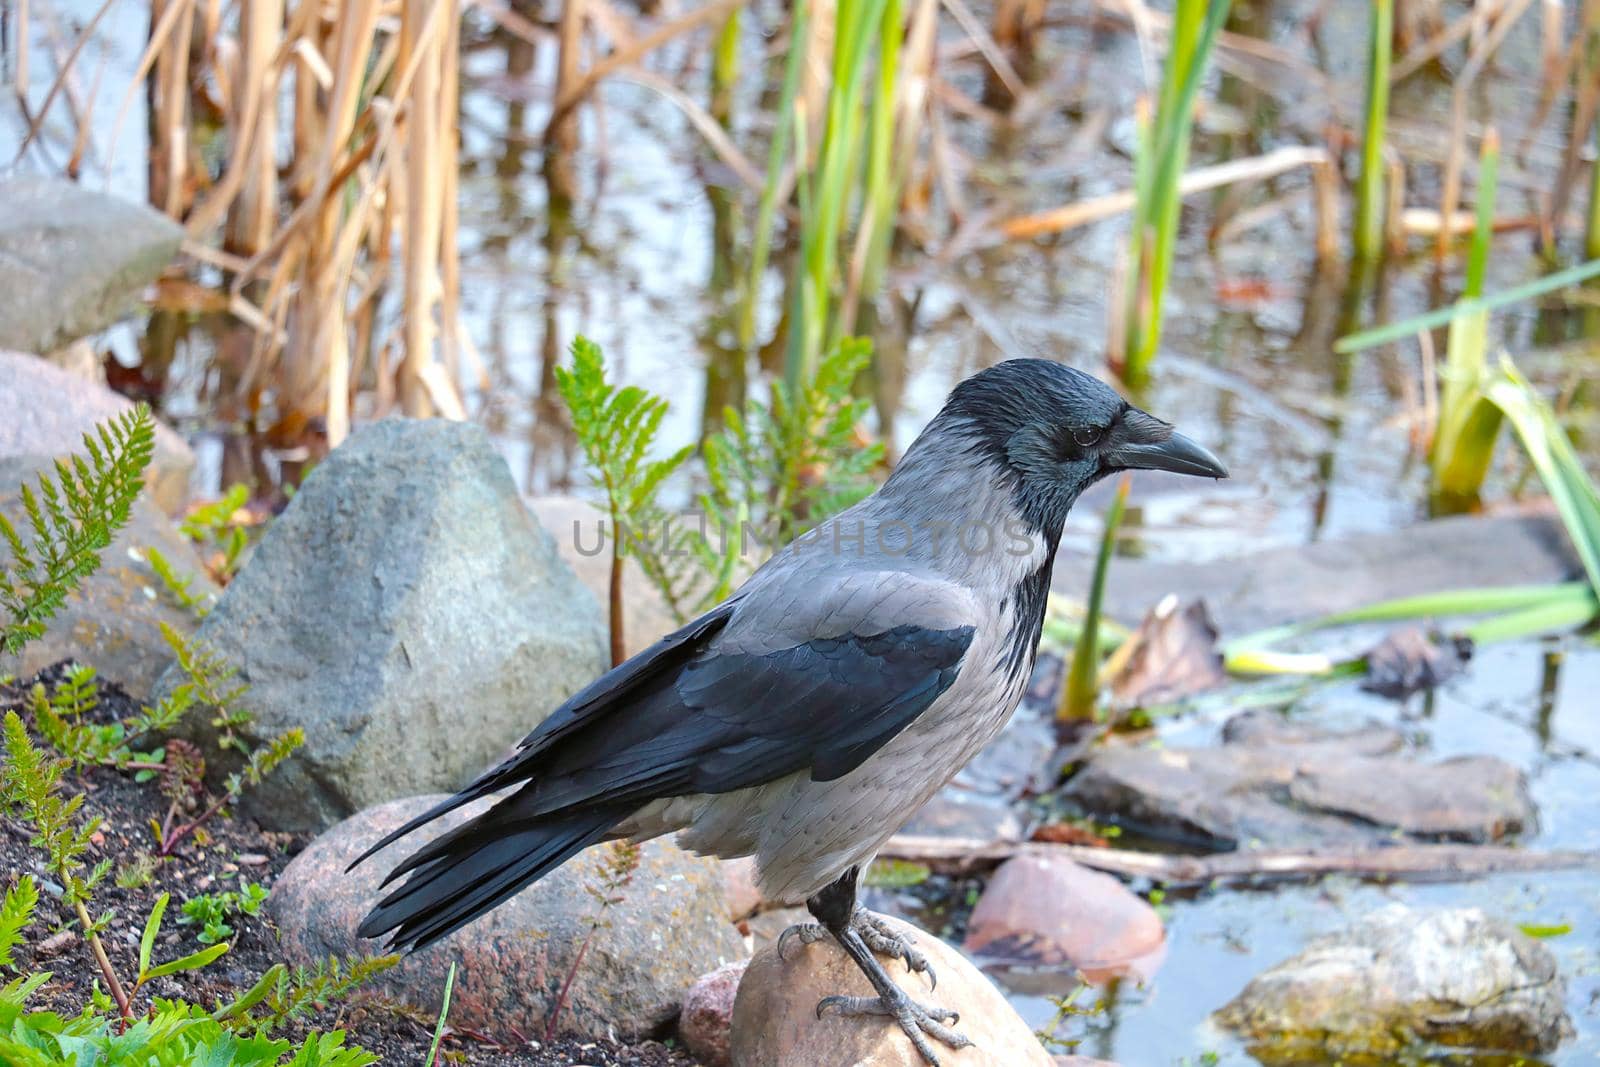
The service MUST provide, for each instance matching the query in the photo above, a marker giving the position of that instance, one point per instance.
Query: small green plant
(780, 469)
(1080, 695)
(72, 519)
(180, 587)
(59, 716)
(1068, 1007)
(16, 912)
(616, 428)
(1469, 423)
(211, 911)
(216, 525)
(616, 871)
(28, 785)
(210, 683)
(284, 994)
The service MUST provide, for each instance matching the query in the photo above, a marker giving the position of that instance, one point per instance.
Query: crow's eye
(1087, 436)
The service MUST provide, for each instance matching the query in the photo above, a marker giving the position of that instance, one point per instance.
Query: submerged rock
(1289, 786)
(775, 1022)
(48, 410)
(1050, 912)
(667, 930)
(113, 621)
(1399, 977)
(410, 615)
(72, 261)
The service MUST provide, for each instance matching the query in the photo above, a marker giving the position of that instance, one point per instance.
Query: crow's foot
(879, 936)
(882, 939)
(918, 1021)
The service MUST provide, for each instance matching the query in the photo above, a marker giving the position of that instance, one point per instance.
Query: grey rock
(409, 614)
(1290, 786)
(668, 930)
(113, 622)
(72, 261)
(1297, 582)
(48, 410)
(1402, 976)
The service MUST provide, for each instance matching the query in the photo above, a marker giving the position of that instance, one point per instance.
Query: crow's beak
(1150, 444)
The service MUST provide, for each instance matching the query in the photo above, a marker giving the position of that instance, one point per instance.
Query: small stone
(1050, 912)
(409, 614)
(667, 930)
(1400, 977)
(775, 1022)
(72, 260)
(708, 1014)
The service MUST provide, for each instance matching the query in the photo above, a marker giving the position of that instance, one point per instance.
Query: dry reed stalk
(424, 142)
(59, 84)
(1325, 189)
(1083, 212)
(254, 112)
(988, 47)
(1395, 237)
(169, 147)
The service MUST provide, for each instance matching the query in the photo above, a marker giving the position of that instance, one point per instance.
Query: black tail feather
(478, 865)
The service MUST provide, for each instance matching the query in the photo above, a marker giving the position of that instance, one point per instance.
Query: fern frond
(72, 519)
(16, 912)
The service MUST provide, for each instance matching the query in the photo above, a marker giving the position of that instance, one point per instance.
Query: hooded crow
(807, 717)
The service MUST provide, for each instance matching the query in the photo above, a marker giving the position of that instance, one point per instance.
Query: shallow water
(1510, 703)
(1317, 442)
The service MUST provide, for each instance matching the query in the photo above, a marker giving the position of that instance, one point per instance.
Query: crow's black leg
(835, 909)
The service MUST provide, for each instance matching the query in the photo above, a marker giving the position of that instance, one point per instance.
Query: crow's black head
(1054, 431)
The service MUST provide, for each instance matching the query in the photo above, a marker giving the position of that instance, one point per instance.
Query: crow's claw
(808, 933)
(882, 939)
(918, 1022)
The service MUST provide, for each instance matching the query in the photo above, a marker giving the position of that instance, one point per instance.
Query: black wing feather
(681, 718)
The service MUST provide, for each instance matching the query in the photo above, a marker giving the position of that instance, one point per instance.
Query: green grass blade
(1558, 465)
(444, 1012)
(1447, 604)
(1395, 331)
(777, 154)
(1083, 676)
(1369, 194)
(1555, 616)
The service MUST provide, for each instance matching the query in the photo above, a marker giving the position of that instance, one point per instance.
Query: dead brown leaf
(1172, 655)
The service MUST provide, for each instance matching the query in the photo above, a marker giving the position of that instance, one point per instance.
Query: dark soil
(222, 855)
